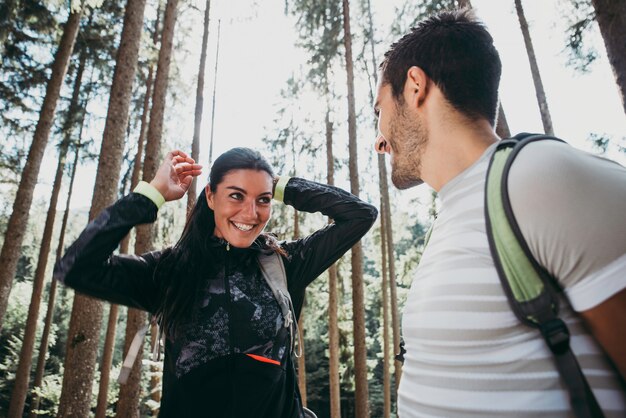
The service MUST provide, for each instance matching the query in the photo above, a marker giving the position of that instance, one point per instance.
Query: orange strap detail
(264, 359)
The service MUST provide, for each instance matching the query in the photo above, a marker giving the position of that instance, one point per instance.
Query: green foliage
(580, 17)
(603, 142)
(320, 26)
(412, 12)
(28, 33)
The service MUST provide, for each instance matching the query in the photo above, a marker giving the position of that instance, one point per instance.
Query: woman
(228, 351)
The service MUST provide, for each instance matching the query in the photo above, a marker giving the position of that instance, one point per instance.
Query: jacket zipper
(229, 309)
(231, 346)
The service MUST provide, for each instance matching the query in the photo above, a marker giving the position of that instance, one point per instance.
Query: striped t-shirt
(467, 354)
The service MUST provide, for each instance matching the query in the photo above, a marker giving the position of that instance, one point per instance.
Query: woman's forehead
(247, 179)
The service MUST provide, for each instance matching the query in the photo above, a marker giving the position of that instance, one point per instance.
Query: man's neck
(453, 146)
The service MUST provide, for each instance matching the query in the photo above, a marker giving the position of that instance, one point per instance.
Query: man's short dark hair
(456, 51)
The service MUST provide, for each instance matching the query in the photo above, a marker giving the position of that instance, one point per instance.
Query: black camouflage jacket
(232, 359)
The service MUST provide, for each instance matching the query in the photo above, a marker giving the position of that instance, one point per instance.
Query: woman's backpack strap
(273, 270)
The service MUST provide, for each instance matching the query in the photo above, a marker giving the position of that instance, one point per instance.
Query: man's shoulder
(548, 166)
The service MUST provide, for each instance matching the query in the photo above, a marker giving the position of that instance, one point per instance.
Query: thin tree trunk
(534, 68)
(385, 303)
(107, 360)
(358, 305)
(611, 17)
(16, 227)
(386, 214)
(217, 54)
(195, 145)
(302, 361)
(333, 300)
(45, 336)
(502, 127)
(131, 391)
(155, 380)
(86, 312)
(109, 343)
(22, 376)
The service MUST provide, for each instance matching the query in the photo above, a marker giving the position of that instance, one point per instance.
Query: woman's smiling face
(242, 203)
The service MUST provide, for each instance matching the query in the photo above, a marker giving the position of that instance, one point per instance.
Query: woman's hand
(175, 175)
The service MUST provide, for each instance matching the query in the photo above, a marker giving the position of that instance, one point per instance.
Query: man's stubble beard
(409, 138)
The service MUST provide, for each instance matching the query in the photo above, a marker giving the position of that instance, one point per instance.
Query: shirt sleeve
(570, 208)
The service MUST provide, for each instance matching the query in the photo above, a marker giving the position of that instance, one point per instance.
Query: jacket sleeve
(310, 256)
(90, 267)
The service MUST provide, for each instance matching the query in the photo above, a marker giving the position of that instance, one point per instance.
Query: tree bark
(611, 17)
(387, 231)
(302, 361)
(385, 302)
(109, 343)
(45, 336)
(195, 145)
(86, 312)
(22, 375)
(16, 226)
(546, 119)
(131, 391)
(333, 300)
(217, 55)
(502, 127)
(358, 305)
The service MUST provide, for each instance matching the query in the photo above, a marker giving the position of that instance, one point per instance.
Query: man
(466, 352)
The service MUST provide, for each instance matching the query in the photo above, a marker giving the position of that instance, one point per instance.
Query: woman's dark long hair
(184, 268)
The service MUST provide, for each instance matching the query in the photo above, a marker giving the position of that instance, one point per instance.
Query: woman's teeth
(243, 227)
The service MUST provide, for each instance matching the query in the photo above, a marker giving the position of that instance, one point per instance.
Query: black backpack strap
(528, 286)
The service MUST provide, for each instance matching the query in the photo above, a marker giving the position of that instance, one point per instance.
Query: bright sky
(257, 56)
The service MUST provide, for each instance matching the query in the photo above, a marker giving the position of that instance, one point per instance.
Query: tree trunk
(22, 375)
(195, 145)
(45, 336)
(502, 127)
(107, 360)
(217, 54)
(86, 312)
(333, 300)
(611, 17)
(387, 233)
(16, 226)
(534, 68)
(358, 305)
(131, 391)
(302, 360)
(109, 343)
(385, 297)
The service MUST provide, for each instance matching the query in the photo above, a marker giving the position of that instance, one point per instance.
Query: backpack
(528, 286)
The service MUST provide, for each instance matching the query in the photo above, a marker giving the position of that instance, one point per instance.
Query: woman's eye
(236, 196)
(265, 200)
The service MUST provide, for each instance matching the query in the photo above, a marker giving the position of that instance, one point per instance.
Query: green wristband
(150, 192)
(279, 189)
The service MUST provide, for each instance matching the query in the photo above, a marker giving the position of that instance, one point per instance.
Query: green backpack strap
(273, 270)
(528, 286)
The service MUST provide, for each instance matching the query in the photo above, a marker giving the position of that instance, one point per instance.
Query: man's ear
(209, 197)
(415, 87)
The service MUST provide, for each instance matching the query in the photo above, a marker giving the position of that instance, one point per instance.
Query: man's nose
(381, 144)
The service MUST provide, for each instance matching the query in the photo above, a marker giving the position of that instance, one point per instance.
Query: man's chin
(403, 182)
